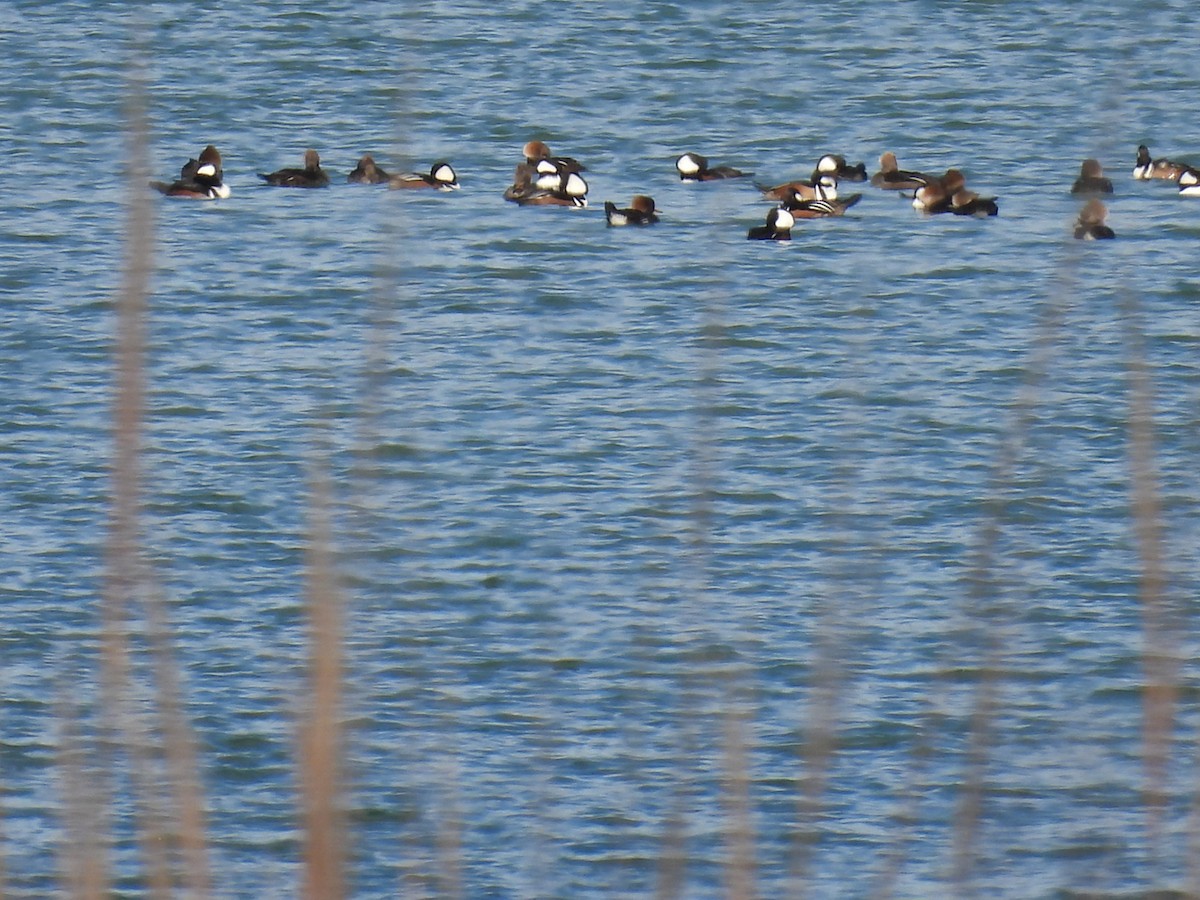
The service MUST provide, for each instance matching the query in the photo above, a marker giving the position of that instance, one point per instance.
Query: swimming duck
(968, 203)
(311, 176)
(441, 177)
(778, 227)
(1147, 168)
(823, 187)
(1091, 179)
(936, 196)
(199, 179)
(366, 172)
(537, 152)
(1090, 224)
(891, 177)
(571, 191)
(835, 165)
(694, 167)
(641, 211)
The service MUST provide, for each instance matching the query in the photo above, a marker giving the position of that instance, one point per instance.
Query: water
(596, 487)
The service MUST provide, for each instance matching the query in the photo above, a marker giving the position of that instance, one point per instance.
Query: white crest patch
(575, 186)
(208, 170)
(686, 164)
(444, 174)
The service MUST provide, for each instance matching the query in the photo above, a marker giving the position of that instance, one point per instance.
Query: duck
(835, 165)
(1147, 168)
(1091, 179)
(891, 177)
(694, 167)
(819, 208)
(968, 203)
(311, 176)
(537, 152)
(571, 191)
(778, 227)
(641, 211)
(1090, 224)
(822, 187)
(199, 179)
(936, 196)
(441, 177)
(366, 172)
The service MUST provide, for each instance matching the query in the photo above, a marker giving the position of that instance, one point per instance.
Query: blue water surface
(650, 540)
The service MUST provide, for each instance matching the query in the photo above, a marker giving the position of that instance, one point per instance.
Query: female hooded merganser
(819, 209)
(311, 176)
(891, 177)
(823, 187)
(832, 164)
(640, 212)
(1146, 168)
(694, 167)
(936, 195)
(199, 179)
(571, 191)
(1090, 224)
(537, 152)
(441, 177)
(366, 172)
(778, 227)
(1091, 179)
(968, 203)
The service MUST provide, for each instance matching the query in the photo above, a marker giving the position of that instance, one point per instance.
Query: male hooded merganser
(778, 227)
(1090, 224)
(832, 164)
(968, 203)
(823, 187)
(1091, 179)
(817, 208)
(441, 176)
(694, 167)
(311, 176)
(891, 177)
(199, 179)
(1146, 168)
(366, 172)
(1189, 177)
(571, 191)
(640, 212)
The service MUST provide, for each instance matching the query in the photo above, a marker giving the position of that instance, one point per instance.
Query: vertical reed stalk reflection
(1160, 655)
(321, 732)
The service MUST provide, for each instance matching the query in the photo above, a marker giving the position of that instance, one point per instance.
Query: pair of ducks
(441, 175)
(933, 194)
(543, 179)
(203, 178)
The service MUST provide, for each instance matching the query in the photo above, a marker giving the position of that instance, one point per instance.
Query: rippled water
(599, 487)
